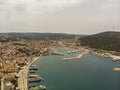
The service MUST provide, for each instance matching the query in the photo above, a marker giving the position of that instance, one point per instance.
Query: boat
(73, 51)
(32, 71)
(34, 79)
(33, 68)
(33, 65)
(57, 53)
(68, 52)
(117, 68)
(32, 76)
(40, 87)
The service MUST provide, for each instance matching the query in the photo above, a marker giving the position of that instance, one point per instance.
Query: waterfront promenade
(2, 83)
(23, 74)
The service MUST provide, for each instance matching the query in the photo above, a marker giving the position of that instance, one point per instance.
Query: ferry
(34, 79)
(40, 87)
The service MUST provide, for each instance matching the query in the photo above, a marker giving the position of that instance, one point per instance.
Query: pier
(76, 57)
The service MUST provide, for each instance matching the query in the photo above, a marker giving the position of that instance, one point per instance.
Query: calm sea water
(89, 73)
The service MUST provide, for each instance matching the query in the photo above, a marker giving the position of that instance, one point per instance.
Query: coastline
(107, 55)
(23, 74)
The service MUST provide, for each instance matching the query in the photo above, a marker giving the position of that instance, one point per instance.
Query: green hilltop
(105, 40)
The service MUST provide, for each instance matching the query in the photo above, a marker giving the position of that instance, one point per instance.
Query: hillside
(35, 36)
(105, 40)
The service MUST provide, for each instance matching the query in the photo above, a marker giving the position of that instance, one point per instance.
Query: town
(14, 55)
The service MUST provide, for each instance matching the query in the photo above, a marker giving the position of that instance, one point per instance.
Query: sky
(60, 16)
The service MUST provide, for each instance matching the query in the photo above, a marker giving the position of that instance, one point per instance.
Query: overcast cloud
(61, 16)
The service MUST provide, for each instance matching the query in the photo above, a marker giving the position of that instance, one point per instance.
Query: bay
(88, 73)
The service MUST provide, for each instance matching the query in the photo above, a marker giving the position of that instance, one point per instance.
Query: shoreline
(23, 75)
(83, 53)
(107, 55)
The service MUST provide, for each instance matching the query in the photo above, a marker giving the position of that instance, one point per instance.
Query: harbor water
(88, 73)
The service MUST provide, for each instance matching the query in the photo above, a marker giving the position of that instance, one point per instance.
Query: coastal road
(23, 74)
(2, 83)
(22, 80)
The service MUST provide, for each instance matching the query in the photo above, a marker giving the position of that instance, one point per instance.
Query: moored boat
(34, 79)
(32, 76)
(33, 65)
(32, 71)
(40, 87)
(33, 68)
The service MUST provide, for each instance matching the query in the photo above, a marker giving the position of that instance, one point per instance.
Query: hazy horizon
(60, 16)
(58, 32)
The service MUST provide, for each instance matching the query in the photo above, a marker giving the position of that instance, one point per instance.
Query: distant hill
(105, 40)
(35, 36)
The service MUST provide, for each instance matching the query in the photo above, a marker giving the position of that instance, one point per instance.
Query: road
(23, 74)
(2, 83)
(22, 80)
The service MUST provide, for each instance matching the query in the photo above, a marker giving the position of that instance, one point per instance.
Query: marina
(59, 45)
(36, 82)
(34, 78)
(86, 71)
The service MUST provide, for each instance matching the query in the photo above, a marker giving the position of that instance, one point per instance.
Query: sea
(91, 72)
